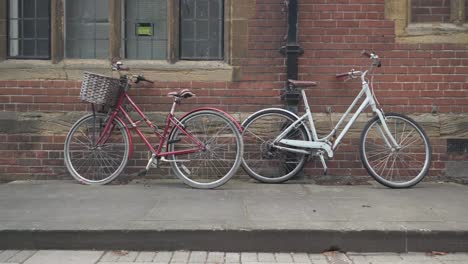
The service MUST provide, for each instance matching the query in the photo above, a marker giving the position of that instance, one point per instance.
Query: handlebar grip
(140, 78)
(339, 75)
(366, 54)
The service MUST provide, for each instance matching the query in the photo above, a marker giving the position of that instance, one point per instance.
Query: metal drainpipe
(292, 51)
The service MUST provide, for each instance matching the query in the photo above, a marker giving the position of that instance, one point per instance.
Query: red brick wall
(414, 79)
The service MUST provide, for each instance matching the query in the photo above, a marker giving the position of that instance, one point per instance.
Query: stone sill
(418, 29)
(154, 70)
(432, 33)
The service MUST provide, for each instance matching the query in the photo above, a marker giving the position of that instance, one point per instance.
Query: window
(113, 29)
(29, 29)
(430, 11)
(87, 29)
(199, 25)
(201, 29)
(145, 29)
(429, 21)
(441, 11)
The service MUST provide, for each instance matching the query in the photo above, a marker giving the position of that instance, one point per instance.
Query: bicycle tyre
(91, 164)
(260, 161)
(220, 161)
(402, 168)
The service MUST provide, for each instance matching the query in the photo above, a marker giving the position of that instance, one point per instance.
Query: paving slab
(64, 257)
(239, 216)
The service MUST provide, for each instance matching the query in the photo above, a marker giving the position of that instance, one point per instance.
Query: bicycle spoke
(213, 166)
(93, 164)
(399, 167)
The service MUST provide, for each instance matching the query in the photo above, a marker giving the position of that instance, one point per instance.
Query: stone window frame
(236, 16)
(419, 33)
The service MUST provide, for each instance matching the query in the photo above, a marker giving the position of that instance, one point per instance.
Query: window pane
(43, 8)
(201, 9)
(466, 10)
(29, 28)
(145, 35)
(29, 8)
(43, 29)
(26, 28)
(28, 47)
(87, 49)
(43, 47)
(15, 7)
(430, 11)
(201, 31)
(87, 29)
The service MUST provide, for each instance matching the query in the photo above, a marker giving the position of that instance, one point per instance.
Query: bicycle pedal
(152, 162)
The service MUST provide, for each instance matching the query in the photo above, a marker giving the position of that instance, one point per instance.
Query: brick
(21, 99)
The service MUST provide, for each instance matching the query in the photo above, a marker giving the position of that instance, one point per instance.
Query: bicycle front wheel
(401, 167)
(262, 161)
(218, 161)
(93, 162)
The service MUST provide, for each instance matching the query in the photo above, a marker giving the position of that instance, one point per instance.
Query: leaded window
(29, 29)
(145, 29)
(201, 29)
(87, 29)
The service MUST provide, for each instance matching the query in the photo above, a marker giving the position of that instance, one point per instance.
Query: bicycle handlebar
(118, 66)
(374, 57)
(352, 74)
(340, 75)
(140, 78)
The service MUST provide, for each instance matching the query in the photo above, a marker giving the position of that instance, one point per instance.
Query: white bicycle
(393, 148)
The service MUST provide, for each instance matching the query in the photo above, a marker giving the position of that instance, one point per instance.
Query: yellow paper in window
(144, 29)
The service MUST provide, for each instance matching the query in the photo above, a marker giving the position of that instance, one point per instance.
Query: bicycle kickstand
(324, 164)
(151, 164)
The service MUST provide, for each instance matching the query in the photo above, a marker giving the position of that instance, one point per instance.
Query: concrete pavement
(240, 216)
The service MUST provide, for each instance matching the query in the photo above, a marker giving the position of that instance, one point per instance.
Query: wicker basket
(100, 89)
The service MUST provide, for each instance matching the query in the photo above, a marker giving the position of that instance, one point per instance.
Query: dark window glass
(145, 24)
(29, 29)
(87, 29)
(201, 29)
(466, 10)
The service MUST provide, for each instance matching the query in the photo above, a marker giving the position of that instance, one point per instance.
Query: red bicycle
(204, 146)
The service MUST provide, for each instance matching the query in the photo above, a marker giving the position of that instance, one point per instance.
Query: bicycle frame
(170, 123)
(324, 143)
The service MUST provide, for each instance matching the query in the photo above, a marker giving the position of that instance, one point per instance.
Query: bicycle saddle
(302, 83)
(185, 93)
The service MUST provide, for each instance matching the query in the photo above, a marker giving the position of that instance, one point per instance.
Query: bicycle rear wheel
(214, 166)
(395, 168)
(262, 161)
(92, 163)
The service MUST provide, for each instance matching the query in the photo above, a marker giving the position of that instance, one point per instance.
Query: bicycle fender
(281, 110)
(236, 123)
